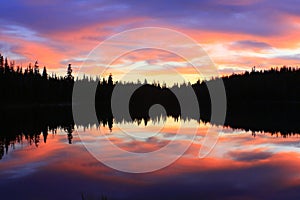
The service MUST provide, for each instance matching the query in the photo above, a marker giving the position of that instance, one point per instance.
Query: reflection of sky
(240, 166)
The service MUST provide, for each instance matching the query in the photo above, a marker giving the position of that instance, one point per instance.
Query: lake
(61, 164)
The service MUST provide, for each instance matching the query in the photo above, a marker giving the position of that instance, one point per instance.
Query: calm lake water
(240, 166)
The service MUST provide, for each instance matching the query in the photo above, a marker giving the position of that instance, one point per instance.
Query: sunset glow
(236, 35)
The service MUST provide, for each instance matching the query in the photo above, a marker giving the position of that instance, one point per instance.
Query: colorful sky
(237, 35)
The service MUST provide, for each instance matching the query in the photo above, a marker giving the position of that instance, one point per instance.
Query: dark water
(242, 165)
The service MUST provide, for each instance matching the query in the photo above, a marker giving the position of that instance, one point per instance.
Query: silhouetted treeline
(32, 85)
(266, 100)
(33, 102)
(274, 85)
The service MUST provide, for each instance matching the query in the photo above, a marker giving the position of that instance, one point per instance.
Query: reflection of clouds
(27, 159)
(24, 170)
(240, 166)
(229, 140)
(150, 145)
(249, 156)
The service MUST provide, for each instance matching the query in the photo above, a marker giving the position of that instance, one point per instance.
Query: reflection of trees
(1, 150)
(41, 121)
(69, 129)
(266, 100)
(34, 103)
(29, 124)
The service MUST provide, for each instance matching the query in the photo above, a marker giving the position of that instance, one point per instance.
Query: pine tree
(1, 64)
(36, 68)
(6, 66)
(69, 73)
(110, 80)
(1, 61)
(45, 75)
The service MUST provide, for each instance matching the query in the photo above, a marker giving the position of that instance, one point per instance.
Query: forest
(34, 102)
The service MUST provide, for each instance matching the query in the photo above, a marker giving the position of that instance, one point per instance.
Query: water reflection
(39, 162)
(32, 124)
(240, 166)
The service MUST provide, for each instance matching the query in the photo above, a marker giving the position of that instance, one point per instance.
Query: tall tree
(1, 64)
(69, 73)
(45, 75)
(6, 66)
(36, 68)
(110, 80)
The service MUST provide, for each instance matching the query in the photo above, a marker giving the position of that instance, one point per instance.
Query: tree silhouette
(69, 73)
(44, 74)
(265, 100)
(110, 80)
(36, 69)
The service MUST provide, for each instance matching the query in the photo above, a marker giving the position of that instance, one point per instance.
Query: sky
(236, 35)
